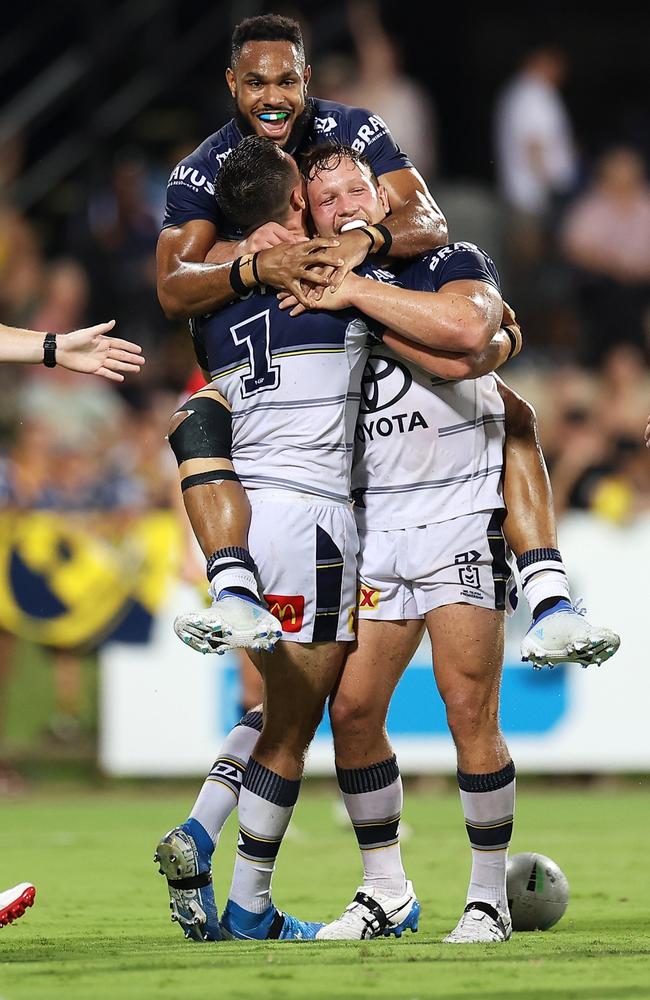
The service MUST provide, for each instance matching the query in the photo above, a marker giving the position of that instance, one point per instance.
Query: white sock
(219, 794)
(373, 797)
(265, 807)
(543, 576)
(488, 802)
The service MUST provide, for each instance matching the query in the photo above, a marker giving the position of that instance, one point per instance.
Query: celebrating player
(395, 908)
(268, 79)
(293, 386)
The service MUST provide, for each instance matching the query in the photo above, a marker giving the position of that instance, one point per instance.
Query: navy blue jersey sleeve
(190, 192)
(369, 134)
(455, 262)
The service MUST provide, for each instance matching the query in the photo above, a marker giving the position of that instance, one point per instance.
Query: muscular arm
(194, 271)
(416, 223)
(462, 316)
(187, 285)
(453, 365)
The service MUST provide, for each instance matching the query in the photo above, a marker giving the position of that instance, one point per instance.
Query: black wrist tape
(512, 336)
(236, 282)
(388, 239)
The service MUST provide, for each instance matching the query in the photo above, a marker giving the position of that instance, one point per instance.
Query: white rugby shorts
(306, 552)
(405, 572)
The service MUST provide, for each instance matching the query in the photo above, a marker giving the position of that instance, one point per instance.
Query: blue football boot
(186, 864)
(272, 925)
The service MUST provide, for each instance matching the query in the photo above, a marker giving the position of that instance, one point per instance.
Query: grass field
(100, 927)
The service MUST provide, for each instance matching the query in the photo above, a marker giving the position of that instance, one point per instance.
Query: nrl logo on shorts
(384, 382)
(468, 575)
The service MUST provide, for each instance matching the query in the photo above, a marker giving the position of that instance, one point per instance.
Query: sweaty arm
(462, 317)
(192, 281)
(416, 224)
(187, 285)
(454, 365)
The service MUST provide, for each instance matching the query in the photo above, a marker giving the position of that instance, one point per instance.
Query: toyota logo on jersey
(384, 382)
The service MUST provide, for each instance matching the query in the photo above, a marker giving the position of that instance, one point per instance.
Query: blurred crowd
(570, 235)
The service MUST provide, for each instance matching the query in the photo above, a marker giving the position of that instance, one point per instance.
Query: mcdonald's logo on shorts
(368, 598)
(288, 609)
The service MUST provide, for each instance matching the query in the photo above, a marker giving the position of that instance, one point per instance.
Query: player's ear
(383, 198)
(230, 80)
(306, 76)
(299, 196)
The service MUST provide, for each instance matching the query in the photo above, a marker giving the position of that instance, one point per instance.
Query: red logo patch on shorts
(368, 598)
(288, 609)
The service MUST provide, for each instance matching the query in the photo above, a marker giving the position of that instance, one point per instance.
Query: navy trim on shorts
(329, 586)
(500, 567)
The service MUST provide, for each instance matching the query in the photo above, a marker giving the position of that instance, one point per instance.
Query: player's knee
(470, 714)
(350, 714)
(175, 421)
(521, 419)
(201, 428)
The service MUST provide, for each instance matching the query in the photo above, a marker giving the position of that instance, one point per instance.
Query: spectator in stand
(606, 237)
(375, 78)
(537, 168)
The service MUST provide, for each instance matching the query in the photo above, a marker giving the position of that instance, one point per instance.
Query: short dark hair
(327, 156)
(266, 28)
(254, 184)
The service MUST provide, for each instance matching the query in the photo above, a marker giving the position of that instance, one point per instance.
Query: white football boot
(14, 902)
(373, 914)
(480, 923)
(231, 623)
(566, 637)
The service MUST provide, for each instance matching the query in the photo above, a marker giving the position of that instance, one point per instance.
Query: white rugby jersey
(426, 449)
(293, 383)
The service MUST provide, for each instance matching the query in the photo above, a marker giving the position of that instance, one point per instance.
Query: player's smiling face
(343, 195)
(268, 84)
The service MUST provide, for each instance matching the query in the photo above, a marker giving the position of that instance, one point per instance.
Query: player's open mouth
(274, 123)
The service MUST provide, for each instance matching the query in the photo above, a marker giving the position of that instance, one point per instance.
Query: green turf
(100, 927)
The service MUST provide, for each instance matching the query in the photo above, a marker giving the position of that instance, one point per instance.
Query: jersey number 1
(256, 334)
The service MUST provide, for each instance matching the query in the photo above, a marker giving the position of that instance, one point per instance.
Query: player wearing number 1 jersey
(292, 386)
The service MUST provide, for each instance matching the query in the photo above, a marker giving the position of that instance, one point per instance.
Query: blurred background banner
(533, 135)
(166, 711)
(63, 585)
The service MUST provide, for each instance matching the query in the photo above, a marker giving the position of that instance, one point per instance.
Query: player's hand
(647, 434)
(271, 234)
(288, 265)
(93, 352)
(328, 298)
(353, 250)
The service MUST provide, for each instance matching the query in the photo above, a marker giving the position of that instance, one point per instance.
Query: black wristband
(388, 239)
(236, 282)
(254, 266)
(513, 340)
(49, 350)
